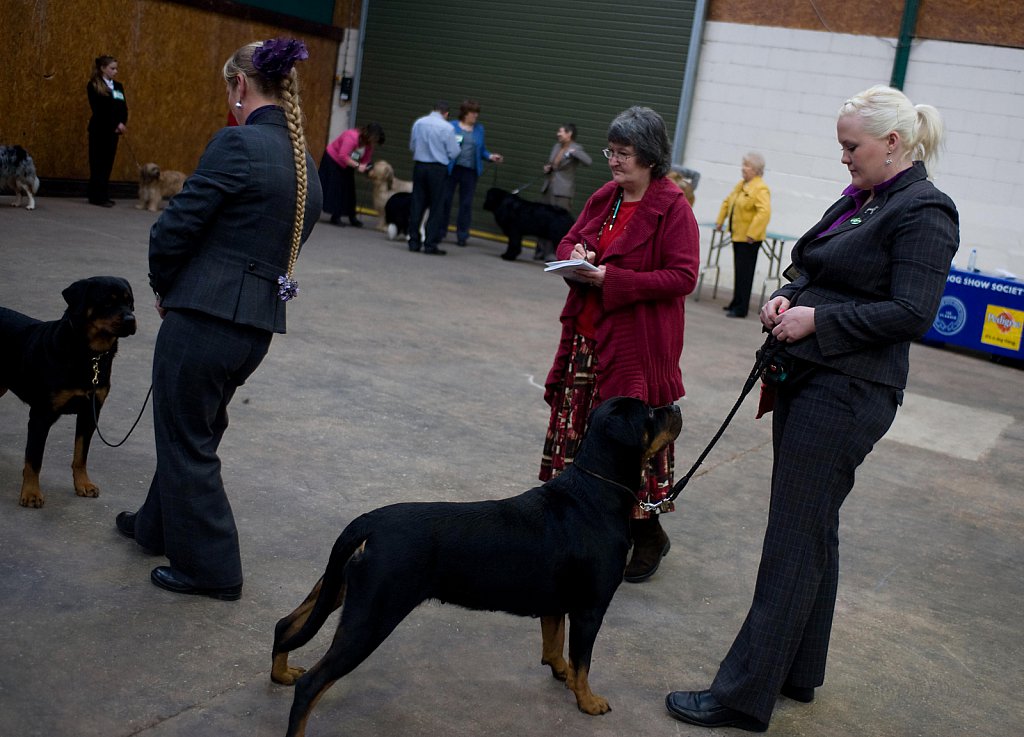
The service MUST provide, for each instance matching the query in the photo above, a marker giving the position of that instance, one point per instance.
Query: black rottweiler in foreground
(57, 367)
(558, 549)
(518, 217)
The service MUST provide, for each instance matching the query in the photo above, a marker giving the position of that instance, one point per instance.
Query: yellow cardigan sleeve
(727, 204)
(762, 202)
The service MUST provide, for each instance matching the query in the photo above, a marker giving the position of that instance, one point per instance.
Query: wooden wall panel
(170, 58)
(869, 18)
(986, 22)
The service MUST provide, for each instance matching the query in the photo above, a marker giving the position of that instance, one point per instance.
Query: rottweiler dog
(518, 217)
(554, 551)
(61, 366)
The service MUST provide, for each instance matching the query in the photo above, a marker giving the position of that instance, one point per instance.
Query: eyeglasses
(609, 154)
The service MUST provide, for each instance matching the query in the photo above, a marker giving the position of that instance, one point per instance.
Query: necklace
(609, 222)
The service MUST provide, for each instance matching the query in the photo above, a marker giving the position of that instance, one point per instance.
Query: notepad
(572, 263)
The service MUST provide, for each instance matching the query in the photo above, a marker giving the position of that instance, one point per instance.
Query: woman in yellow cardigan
(747, 210)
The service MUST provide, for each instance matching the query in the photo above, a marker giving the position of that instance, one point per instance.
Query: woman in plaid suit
(870, 277)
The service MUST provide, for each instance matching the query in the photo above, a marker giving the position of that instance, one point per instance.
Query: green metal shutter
(531, 65)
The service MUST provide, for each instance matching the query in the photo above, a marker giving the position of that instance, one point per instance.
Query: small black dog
(59, 367)
(559, 549)
(518, 217)
(396, 216)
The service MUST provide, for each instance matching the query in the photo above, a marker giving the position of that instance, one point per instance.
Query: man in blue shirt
(434, 146)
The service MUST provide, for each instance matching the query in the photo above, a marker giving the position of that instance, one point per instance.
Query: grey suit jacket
(561, 181)
(222, 242)
(875, 282)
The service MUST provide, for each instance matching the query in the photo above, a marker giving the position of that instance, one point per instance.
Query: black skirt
(339, 186)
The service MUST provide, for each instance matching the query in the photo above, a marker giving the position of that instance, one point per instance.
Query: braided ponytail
(293, 115)
(269, 66)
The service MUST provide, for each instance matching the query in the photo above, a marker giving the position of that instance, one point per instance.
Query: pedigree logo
(1003, 327)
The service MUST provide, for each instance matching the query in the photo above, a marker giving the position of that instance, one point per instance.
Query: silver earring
(239, 106)
(888, 161)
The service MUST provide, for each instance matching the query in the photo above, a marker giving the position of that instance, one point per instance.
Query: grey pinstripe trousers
(198, 364)
(822, 431)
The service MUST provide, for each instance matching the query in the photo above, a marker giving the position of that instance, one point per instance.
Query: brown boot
(650, 545)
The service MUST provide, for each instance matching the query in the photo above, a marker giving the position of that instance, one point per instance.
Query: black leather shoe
(171, 580)
(355, 222)
(704, 710)
(125, 524)
(734, 313)
(803, 694)
(435, 251)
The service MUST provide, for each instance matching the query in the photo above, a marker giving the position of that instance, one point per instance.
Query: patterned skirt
(575, 397)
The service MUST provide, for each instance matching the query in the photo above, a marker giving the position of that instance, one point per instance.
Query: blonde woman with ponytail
(222, 260)
(866, 281)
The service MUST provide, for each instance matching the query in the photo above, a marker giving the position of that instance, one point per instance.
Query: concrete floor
(405, 377)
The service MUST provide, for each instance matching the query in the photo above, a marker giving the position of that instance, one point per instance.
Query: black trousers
(102, 150)
(198, 363)
(429, 184)
(744, 260)
(821, 431)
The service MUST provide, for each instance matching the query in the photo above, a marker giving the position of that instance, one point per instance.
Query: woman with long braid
(221, 259)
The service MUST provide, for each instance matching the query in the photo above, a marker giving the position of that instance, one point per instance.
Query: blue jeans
(464, 178)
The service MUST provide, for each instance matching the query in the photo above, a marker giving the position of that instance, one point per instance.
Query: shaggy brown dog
(155, 184)
(684, 184)
(385, 184)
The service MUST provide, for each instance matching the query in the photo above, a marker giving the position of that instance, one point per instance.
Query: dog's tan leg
(552, 630)
(587, 701)
(280, 671)
(83, 484)
(31, 494)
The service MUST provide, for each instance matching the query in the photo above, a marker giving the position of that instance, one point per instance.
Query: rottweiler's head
(622, 435)
(101, 308)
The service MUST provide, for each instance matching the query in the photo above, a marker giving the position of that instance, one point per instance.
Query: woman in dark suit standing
(221, 258)
(108, 121)
(871, 275)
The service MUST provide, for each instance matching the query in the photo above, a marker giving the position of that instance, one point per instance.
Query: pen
(587, 248)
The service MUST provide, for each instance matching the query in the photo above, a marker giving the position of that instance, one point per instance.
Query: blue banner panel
(981, 312)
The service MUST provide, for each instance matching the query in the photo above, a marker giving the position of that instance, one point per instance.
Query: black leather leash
(95, 414)
(765, 354)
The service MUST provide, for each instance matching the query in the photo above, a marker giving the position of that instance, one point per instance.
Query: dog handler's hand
(159, 310)
(794, 324)
(774, 307)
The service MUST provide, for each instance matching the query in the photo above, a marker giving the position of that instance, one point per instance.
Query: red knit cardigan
(650, 268)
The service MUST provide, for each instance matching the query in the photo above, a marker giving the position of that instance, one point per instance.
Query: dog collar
(625, 488)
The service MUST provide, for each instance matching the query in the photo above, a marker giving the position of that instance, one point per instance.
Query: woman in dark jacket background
(108, 121)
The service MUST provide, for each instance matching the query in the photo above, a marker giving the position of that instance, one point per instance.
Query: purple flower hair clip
(276, 57)
(287, 288)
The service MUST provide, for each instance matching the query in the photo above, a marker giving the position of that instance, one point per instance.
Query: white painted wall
(341, 112)
(777, 90)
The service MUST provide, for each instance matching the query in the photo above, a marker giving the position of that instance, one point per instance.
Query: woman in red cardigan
(622, 324)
